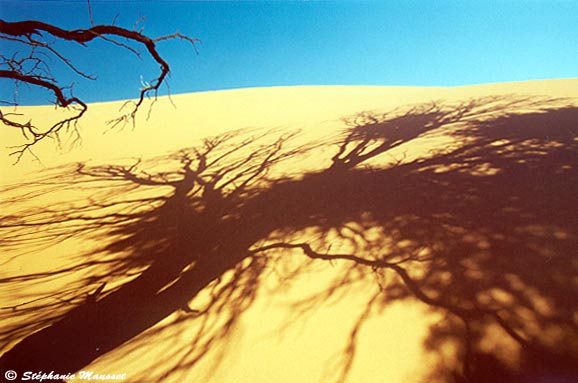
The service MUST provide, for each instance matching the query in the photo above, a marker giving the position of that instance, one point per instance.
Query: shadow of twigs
(161, 248)
(483, 232)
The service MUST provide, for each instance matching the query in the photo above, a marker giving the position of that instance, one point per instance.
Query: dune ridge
(191, 116)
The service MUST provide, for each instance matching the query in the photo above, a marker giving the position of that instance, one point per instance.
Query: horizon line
(256, 87)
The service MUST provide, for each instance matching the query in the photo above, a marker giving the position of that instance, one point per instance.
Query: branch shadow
(482, 232)
(159, 249)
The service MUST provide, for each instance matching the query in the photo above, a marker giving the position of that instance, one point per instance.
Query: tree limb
(24, 31)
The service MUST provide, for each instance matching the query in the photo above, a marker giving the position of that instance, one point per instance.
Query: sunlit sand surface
(300, 234)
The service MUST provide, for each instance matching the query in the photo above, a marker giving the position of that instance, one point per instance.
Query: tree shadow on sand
(482, 232)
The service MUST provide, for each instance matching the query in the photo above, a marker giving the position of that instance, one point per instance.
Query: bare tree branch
(35, 71)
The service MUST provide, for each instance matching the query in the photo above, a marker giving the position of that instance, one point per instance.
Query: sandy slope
(191, 116)
(273, 337)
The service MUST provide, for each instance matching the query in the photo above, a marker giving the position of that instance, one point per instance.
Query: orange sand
(270, 342)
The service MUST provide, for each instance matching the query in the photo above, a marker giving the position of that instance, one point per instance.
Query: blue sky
(278, 43)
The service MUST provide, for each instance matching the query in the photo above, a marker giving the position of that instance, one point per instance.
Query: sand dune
(300, 234)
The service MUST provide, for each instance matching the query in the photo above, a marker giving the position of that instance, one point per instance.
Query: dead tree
(30, 61)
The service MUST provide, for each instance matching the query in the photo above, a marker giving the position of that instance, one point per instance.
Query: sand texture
(299, 234)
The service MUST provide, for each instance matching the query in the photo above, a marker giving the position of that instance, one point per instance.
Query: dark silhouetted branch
(33, 69)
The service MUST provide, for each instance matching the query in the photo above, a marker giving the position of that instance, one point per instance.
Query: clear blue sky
(259, 43)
